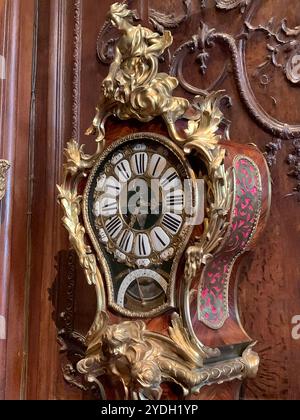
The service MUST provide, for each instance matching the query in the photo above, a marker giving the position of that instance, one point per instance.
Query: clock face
(137, 207)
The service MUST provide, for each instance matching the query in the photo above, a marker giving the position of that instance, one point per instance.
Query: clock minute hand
(142, 216)
(132, 220)
(140, 292)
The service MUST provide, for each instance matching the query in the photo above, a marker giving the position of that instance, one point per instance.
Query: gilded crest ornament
(156, 263)
(4, 167)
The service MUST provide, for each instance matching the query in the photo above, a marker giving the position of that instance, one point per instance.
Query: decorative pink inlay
(213, 296)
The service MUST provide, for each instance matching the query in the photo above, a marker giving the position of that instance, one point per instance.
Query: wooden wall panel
(54, 95)
(16, 46)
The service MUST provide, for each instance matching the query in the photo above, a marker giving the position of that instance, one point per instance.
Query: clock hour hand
(140, 217)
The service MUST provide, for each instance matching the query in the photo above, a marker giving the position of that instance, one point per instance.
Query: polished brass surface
(141, 360)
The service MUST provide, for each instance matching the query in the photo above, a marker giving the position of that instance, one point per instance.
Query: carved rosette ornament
(160, 259)
(4, 167)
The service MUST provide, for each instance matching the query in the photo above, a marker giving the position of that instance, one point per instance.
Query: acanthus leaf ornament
(161, 22)
(135, 257)
(70, 202)
(143, 360)
(283, 49)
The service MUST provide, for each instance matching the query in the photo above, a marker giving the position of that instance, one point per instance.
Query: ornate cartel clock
(159, 219)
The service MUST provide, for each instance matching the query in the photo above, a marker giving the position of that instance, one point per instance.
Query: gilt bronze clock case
(166, 287)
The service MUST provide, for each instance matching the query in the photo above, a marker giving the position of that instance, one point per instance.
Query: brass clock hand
(140, 292)
(133, 219)
(141, 218)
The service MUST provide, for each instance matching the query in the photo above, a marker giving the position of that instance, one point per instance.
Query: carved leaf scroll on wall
(282, 54)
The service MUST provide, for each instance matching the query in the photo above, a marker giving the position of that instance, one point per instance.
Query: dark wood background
(51, 88)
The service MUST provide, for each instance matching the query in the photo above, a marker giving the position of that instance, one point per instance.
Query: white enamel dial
(139, 204)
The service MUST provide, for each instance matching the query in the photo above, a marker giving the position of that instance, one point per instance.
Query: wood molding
(76, 69)
(49, 137)
(16, 42)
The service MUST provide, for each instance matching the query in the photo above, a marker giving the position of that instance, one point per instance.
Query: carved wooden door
(248, 48)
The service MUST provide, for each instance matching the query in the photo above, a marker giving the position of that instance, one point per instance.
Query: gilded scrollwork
(74, 169)
(134, 88)
(4, 167)
(142, 360)
(70, 203)
(204, 138)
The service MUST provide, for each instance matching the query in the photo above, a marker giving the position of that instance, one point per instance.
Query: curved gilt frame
(149, 358)
(183, 238)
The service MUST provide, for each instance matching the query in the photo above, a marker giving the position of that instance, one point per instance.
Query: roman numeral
(142, 248)
(114, 226)
(126, 240)
(123, 171)
(160, 239)
(108, 206)
(172, 222)
(111, 206)
(139, 162)
(103, 236)
(175, 199)
(114, 187)
(159, 159)
(157, 165)
(169, 179)
(142, 245)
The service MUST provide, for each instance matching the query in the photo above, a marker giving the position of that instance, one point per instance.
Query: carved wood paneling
(77, 40)
(16, 44)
